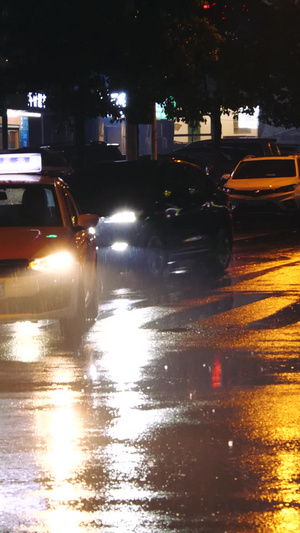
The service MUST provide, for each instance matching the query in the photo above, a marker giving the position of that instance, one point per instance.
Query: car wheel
(74, 327)
(155, 257)
(221, 254)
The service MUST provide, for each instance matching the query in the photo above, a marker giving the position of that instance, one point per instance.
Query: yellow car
(48, 256)
(265, 185)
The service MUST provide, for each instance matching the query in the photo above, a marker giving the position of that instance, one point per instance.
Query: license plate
(2, 289)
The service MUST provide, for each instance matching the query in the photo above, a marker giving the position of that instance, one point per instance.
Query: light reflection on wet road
(180, 411)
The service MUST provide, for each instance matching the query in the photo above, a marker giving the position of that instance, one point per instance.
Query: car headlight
(286, 188)
(122, 217)
(58, 262)
(119, 246)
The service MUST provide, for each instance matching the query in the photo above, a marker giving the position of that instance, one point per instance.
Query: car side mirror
(87, 221)
(225, 177)
(223, 180)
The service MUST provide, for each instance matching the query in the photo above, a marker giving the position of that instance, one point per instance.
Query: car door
(85, 243)
(188, 194)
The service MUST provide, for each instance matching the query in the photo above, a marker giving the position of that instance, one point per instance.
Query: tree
(226, 83)
(56, 47)
(254, 64)
(160, 42)
(77, 52)
(279, 98)
(196, 57)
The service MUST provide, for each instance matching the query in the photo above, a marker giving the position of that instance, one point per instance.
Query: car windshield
(28, 206)
(265, 169)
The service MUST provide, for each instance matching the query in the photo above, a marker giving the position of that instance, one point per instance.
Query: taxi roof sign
(20, 163)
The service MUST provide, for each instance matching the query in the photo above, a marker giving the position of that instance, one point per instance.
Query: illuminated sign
(160, 113)
(20, 163)
(37, 100)
(249, 121)
(119, 99)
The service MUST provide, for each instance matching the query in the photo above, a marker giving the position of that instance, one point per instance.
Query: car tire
(222, 251)
(156, 257)
(74, 327)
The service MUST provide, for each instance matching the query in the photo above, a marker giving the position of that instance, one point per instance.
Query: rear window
(265, 169)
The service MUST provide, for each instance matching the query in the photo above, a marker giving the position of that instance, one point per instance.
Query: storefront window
(13, 138)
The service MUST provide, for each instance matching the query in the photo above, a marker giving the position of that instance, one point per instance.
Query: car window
(198, 180)
(28, 205)
(185, 179)
(274, 149)
(265, 169)
(71, 208)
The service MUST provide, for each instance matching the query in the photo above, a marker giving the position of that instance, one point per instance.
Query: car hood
(107, 202)
(261, 183)
(28, 243)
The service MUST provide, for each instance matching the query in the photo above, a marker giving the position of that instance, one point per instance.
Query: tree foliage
(279, 95)
(163, 43)
(205, 56)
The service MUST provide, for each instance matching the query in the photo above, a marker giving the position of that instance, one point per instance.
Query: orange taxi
(48, 256)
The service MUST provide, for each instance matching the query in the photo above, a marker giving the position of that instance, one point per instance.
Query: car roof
(239, 140)
(236, 145)
(270, 158)
(26, 179)
(134, 170)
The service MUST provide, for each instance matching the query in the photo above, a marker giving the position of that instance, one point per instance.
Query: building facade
(28, 123)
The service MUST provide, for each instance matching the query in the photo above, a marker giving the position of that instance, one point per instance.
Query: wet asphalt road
(179, 411)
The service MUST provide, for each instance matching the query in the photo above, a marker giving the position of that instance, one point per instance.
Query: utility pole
(4, 128)
(132, 130)
(154, 133)
(132, 147)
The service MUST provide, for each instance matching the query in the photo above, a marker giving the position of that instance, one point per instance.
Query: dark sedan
(156, 214)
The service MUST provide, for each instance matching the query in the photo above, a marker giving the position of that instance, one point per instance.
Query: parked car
(265, 184)
(156, 214)
(232, 150)
(48, 259)
(205, 158)
(95, 152)
(54, 163)
(288, 148)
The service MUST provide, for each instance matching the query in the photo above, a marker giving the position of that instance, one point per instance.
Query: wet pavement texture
(179, 411)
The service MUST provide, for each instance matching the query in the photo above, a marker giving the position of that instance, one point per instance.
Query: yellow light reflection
(64, 454)
(287, 521)
(125, 346)
(126, 349)
(59, 431)
(63, 521)
(27, 344)
(270, 418)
